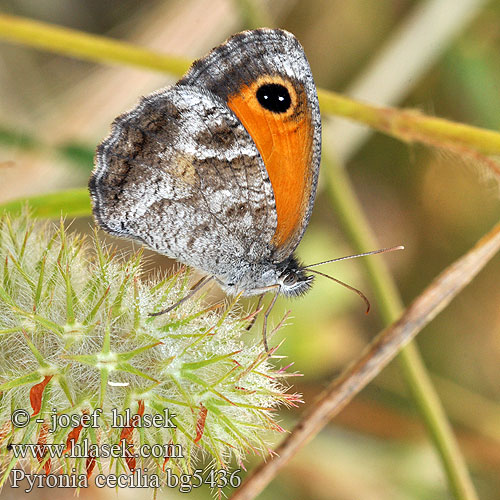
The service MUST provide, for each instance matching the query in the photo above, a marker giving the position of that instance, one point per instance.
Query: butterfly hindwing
(181, 174)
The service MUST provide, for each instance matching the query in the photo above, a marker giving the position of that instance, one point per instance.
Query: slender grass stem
(406, 125)
(82, 45)
(390, 305)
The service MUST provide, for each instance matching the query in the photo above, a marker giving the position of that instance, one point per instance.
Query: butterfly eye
(274, 97)
(290, 279)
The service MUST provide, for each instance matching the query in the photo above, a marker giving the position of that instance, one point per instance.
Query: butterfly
(220, 170)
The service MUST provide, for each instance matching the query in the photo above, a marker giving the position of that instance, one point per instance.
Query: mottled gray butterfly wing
(181, 174)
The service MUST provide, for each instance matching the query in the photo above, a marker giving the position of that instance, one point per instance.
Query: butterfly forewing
(288, 138)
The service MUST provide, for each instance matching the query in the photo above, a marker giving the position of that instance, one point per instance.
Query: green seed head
(77, 338)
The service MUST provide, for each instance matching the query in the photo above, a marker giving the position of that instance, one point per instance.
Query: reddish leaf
(166, 458)
(73, 437)
(140, 410)
(36, 393)
(130, 460)
(40, 450)
(127, 435)
(200, 423)
(89, 465)
(90, 462)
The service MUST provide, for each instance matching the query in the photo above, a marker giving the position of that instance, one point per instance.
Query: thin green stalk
(86, 46)
(410, 125)
(390, 306)
(405, 125)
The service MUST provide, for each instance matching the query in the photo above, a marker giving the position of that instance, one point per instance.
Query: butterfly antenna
(359, 292)
(373, 252)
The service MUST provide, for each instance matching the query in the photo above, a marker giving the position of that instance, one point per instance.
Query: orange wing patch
(284, 140)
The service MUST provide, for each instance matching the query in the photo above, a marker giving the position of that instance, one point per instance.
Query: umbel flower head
(82, 363)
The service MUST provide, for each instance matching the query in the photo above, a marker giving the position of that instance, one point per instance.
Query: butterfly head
(292, 278)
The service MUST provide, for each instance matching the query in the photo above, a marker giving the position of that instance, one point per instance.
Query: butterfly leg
(257, 310)
(266, 316)
(193, 290)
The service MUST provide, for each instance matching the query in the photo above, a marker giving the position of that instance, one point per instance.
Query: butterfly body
(219, 171)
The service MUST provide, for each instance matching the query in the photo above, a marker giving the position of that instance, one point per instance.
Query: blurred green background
(439, 56)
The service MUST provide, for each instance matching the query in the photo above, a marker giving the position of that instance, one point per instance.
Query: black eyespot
(274, 97)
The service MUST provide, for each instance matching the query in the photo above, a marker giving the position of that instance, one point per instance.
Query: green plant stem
(86, 46)
(410, 125)
(405, 125)
(390, 305)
